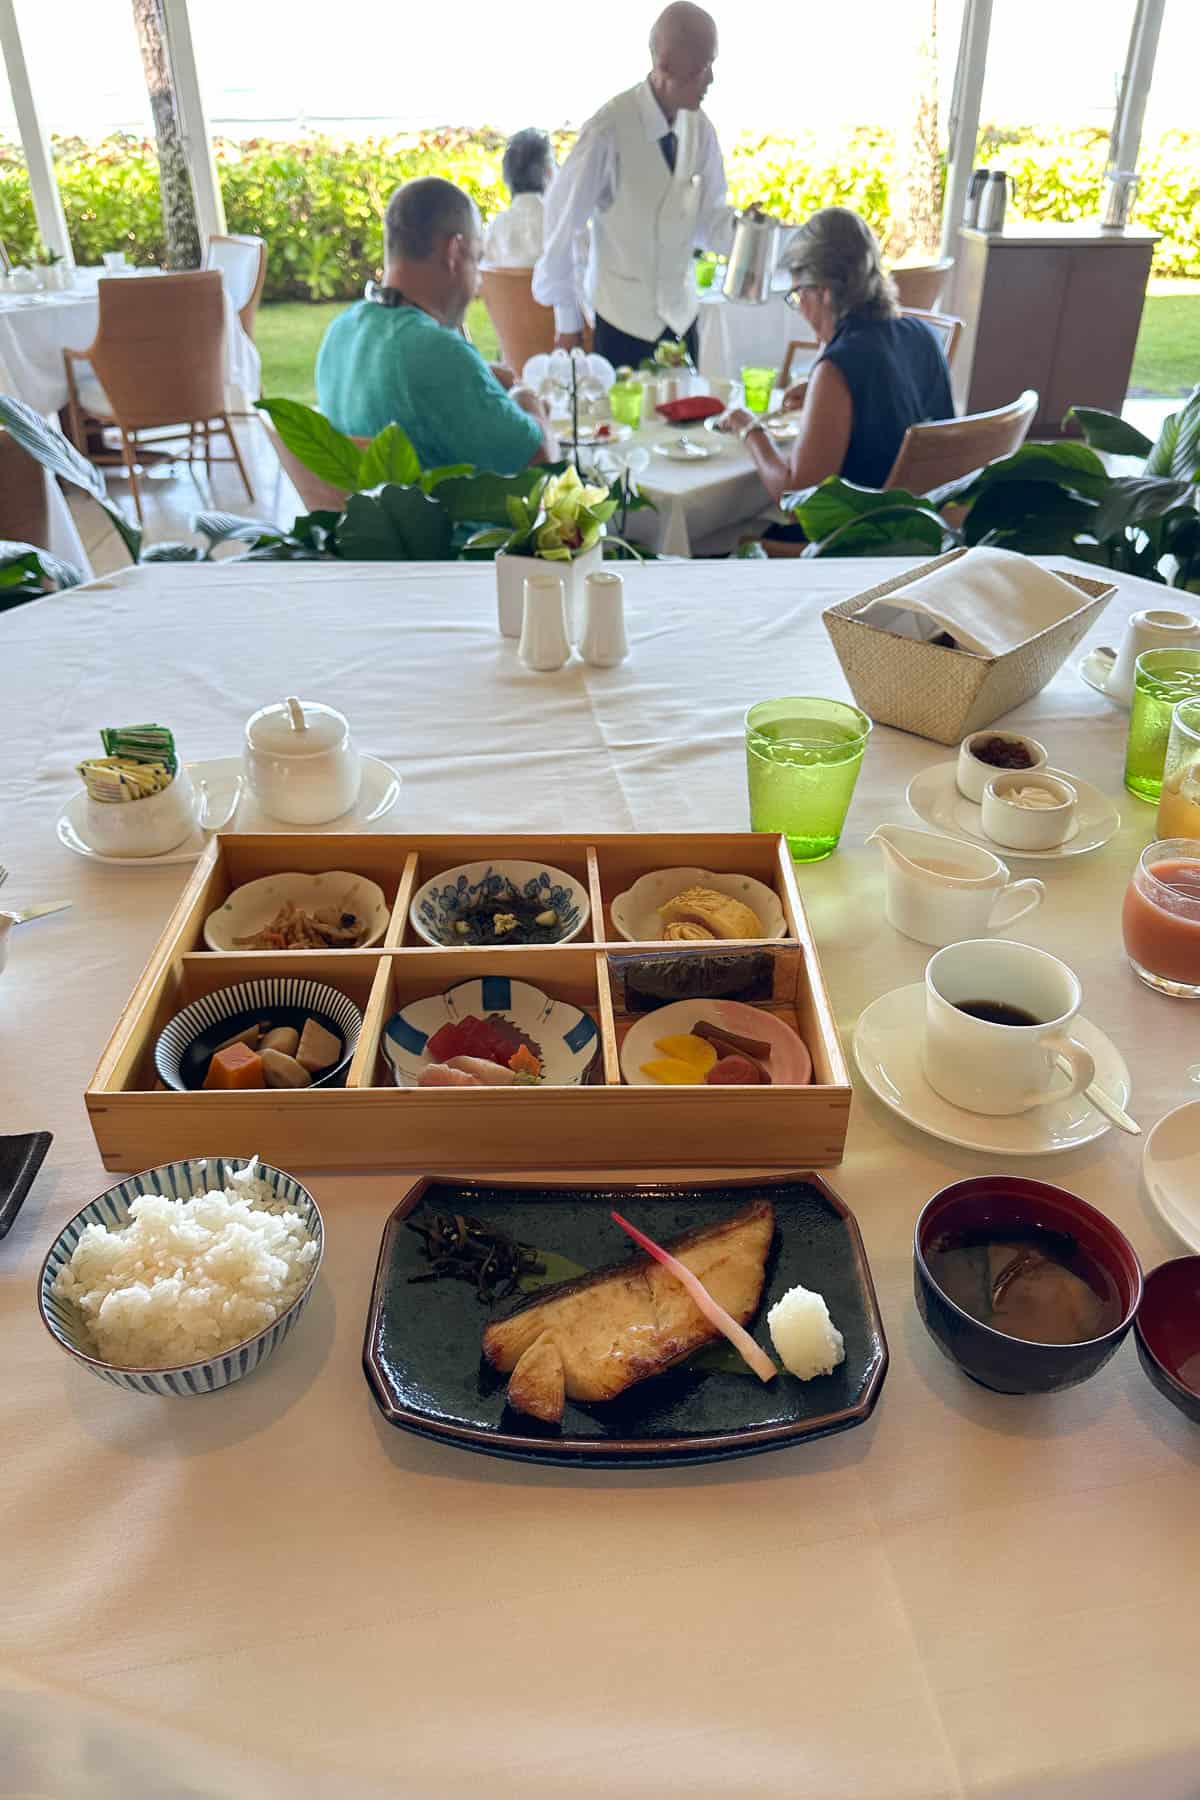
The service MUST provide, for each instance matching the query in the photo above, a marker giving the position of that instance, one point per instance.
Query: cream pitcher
(940, 890)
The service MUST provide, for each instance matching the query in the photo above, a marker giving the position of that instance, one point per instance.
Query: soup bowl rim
(1168, 1375)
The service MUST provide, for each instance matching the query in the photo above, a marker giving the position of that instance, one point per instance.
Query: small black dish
(20, 1160)
(422, 1360)
(186, 1045)
(1167, 1330)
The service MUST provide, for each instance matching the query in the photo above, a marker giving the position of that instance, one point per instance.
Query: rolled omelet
(720, 914)
(684, 931)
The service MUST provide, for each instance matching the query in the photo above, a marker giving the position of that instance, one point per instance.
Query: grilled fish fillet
(593, 1337)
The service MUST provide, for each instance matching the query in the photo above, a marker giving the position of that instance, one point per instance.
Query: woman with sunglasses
(878, 372)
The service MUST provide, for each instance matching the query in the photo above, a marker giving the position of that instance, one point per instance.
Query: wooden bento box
(370, 1123)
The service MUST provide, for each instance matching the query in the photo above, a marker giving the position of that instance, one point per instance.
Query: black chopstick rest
(20, 1160)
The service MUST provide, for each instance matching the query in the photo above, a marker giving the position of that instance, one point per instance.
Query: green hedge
(319, 202)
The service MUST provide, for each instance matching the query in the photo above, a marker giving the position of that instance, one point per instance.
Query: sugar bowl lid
(296, 728)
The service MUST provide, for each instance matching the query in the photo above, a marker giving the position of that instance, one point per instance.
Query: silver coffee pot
(753, 259)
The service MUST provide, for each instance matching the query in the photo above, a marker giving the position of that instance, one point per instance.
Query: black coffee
(996, 1012)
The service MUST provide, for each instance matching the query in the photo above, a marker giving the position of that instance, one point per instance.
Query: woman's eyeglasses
(793, 296)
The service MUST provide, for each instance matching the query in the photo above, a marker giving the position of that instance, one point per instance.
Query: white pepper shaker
(544, 642)
(604, 643)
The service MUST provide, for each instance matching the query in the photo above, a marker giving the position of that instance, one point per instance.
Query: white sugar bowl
(301, 763)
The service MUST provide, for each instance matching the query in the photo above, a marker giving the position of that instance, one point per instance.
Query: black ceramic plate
(20, 1160)
(422, 1350)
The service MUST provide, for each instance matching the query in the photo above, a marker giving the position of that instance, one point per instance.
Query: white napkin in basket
(991, 600)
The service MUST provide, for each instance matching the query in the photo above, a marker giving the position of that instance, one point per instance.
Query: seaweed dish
(507, 917)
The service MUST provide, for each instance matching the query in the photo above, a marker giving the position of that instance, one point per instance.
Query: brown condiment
(1002, 753)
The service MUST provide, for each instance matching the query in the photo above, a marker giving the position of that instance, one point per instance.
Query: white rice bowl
(806, 1340)
(187, 1280)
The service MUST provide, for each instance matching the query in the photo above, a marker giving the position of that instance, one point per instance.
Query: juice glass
(1161, 679)
(1179, 802)
(1161, 918)
(802, 761)
(625, 402)
(756, 388)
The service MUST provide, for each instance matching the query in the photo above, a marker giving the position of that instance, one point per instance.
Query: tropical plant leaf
(431, 477)
(1138, 501)
(230, 528)
(49, 447)
(395, 524)
(897, 530)
(389, 457)
(131, 535)
(1107, 431)
(482, 498)
(822, 510)
(316, 530)
(320, 446)
(1065, 464)
(25, 566)
(1177, 452)
(174, 552)
(1030, 516)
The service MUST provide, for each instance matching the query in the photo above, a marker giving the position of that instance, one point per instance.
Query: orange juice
(1161, 917)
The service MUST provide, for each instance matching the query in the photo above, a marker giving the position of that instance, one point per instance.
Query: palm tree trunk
(178, 201)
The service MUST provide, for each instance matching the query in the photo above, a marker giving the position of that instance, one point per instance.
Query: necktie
(668, 144)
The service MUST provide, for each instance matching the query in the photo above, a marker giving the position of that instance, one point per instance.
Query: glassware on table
(1161, 917)
(706, 268)
(1179, 802)
(1161, 679)
(757, 385)
(625, 398)
(802, 761)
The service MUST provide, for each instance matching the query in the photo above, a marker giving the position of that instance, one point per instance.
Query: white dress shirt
(513, 240)
(587, 184)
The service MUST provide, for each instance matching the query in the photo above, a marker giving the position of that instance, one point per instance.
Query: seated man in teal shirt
(400, 354)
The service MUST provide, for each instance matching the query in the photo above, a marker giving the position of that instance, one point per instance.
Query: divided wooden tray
(370, 1123)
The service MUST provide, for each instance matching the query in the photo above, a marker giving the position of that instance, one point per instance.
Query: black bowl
(1013, 1365)
(186, 1044)
(1167, 1329)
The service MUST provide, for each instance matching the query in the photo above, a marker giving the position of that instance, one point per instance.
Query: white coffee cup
(941, 890)
(1159, 628)
(996, 1068)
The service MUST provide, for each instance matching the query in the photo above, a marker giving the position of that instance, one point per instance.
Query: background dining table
(270, 1591)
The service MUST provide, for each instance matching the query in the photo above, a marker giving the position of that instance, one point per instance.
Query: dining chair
(155, 366)
(944, 327)
(317, 495)
(945, 449)
(522, 326)
(242, 260)
(920, 286)
(24, 510)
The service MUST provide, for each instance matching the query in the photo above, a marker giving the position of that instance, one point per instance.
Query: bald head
(683, 48)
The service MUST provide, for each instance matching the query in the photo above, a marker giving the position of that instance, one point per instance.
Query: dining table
(271, 1591)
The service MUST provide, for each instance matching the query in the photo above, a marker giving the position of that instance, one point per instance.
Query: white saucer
(677, 450)
(933, 795)
(234, 810)
(1095, 670)
(616, 433)
(887, 1048)
(1171, 1171)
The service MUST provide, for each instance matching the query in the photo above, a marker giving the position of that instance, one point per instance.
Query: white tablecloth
(271, 1592)
(700, 506)
(63, 537)
(35, 329)
(734, 335)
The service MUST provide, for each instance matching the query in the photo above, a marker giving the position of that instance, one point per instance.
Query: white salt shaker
(544, 642)
(604, 644)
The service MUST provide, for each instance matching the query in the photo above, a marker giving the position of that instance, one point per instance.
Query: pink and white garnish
(713, 1311)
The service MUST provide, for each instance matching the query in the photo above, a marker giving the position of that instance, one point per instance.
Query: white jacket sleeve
(583, 186)
(715, 218)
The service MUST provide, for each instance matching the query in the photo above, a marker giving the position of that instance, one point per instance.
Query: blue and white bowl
(182, 1052)
(178, 1181)
(565, 1036)
(436, 905)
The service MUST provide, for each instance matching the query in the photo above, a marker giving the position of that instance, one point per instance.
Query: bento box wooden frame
(370, 1123)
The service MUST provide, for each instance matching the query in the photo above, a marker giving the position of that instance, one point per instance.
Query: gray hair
(528, 162)
(837, 250)
(422, 214)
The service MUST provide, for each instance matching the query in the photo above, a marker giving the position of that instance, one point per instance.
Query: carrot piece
(237, 1066)
(524, 1062)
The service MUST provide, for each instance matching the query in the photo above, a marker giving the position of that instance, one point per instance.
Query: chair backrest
(317, 495)
(921, 286)
(796, 344)
(945, 449)
(24, 509)
(523, 327)
(159, 349)
(243, 262)
(945, 328)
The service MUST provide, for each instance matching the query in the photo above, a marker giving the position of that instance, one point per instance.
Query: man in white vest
(646, 173)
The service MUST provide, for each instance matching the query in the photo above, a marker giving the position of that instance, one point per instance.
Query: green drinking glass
(625, 402)
(706, 268)
(1161, 679)
(802, 761)
(756, 388)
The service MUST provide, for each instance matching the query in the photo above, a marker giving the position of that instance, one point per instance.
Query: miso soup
(1030, 1284)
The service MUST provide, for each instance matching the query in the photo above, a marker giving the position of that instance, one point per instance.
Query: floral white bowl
(253, 905)
(436, 906)
(635, 912)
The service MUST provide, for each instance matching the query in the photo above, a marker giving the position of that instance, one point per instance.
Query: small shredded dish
(331, 911)
(184, 1278)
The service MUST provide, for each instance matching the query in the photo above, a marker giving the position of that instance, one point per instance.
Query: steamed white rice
(188, 1279)
(806, 1340)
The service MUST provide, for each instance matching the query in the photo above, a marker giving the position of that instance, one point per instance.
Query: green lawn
(1167, 359)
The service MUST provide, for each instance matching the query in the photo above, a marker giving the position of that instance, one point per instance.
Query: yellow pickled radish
(686, 1048)
(672, 1071)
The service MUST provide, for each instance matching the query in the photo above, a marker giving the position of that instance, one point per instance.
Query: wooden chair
(946, 449)
(785, 373)
(24, 512)
(522, 326)
(945, 328)
(920, 287)
(156, 365)
(242, 260)
(316, 495)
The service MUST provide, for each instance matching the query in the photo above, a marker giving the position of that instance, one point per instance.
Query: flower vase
(511, 571)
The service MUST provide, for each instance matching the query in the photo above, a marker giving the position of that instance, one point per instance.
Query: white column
(1135, 84)
(197, 140)
(35, 143)
(964, 116)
